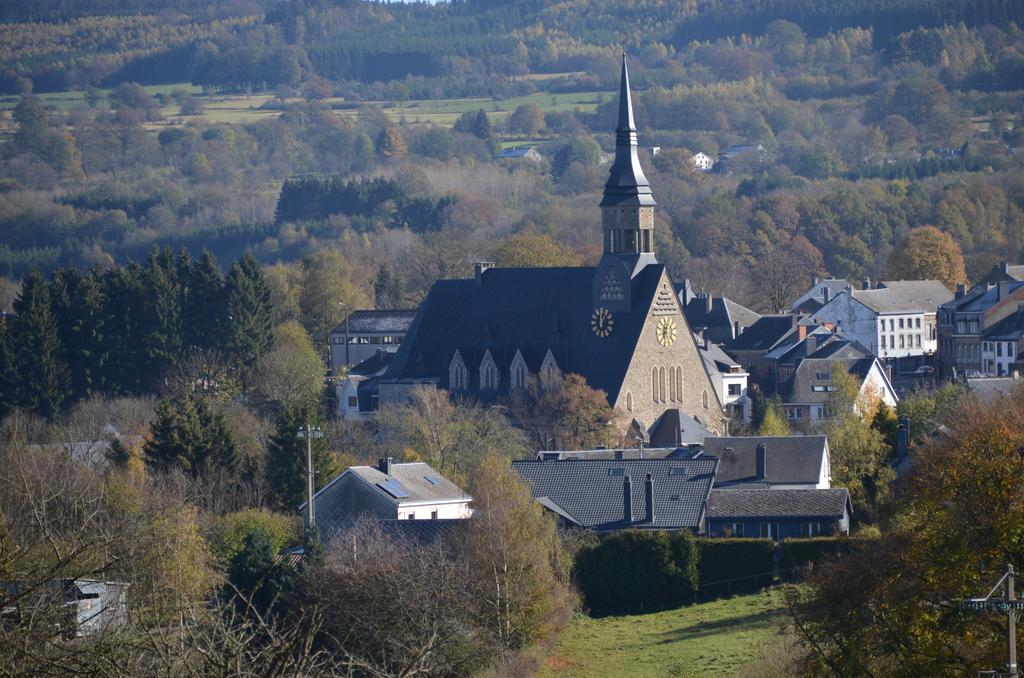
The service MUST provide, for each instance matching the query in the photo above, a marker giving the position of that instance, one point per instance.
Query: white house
(703, 161)
(729, 379)
(388, 491)
(807, 395)
(821, 292)
(1001, 345)
(771, 462)
(896, 320)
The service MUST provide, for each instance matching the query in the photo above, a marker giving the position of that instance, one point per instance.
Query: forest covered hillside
(129, 124)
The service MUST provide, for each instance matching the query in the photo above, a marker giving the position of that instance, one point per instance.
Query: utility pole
(309, 432)
(1008, 604)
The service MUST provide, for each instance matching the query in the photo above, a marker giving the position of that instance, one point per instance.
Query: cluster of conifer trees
(119, 331)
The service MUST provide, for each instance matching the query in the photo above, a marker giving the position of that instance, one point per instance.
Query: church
(619, 324)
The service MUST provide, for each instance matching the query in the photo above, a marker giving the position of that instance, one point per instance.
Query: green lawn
(716, 638)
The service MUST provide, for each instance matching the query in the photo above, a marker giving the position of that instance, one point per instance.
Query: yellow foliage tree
(926, 253)
(534, 250)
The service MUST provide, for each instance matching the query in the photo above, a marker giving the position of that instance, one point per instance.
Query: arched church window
(661, 384)
(679, 383)
(654, 384)
(672, 384)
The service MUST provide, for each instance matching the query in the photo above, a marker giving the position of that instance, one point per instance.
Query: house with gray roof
(820, 293)
(620, 494)
(1001, 345)
(895, 320)
(716, 319)
(808, 396)
(729, 379)
(364, 333)
(1004, 271)
(619, 324)
(778, 514)
(771, 462)
(355, 394)
(387, 491)
(963, 320)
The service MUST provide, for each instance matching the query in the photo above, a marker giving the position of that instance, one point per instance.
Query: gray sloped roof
(1009, 328)
(818, 504)
(905, 296)
(789, 459)
(591, 493)
(530, 310)
(799, 387)
(413, 479)
(370, 321)
(766, 332)
(983, 299)
(422, 532)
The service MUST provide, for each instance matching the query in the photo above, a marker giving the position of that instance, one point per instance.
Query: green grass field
(710, 639)
(240, 108)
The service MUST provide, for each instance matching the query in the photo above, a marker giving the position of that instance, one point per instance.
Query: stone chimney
(479, 268)
(649, 498)
(384, 465)
(761, 461)
(627, 500)
(811, 344)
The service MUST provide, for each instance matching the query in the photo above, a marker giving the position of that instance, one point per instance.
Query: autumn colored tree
(391, 143)
(526, 120)
(892, 606)
(328, 292)
(773, 421)
(525, 250)
(926, 253)
(565, 413)
(292, 373)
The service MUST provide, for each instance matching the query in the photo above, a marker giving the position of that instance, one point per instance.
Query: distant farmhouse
(619, 324)
(520, 153)
(703, 162)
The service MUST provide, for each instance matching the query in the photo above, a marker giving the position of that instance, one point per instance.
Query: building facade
(964, 320)
(364, 333)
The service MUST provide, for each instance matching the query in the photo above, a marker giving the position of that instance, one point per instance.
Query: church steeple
(627, 206)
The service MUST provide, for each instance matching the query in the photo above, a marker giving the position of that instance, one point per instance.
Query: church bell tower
(627, 213)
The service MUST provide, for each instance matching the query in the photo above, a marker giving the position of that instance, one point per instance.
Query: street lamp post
(309, 432)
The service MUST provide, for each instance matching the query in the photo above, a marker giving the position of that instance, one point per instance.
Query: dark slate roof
(369, 322)
(905, 296)
(763, 335)
(590, 495)
(527, 309)
(625, 453)
(799, 387)
(1009, 328)
(724, 312)
(826, 344)
(717, 359)
(626, 185)
(812, 504)
(375, 364)
(675, 427)
(788, 459)
(985, 299)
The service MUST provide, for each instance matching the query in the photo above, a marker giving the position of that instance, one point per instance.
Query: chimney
(618, 455)
(961, 290)
(737, 329)
(1004, 290)
(811, 344)
(479, 268)
(826, 294)
(903, 437)
(707, 302)
(384, 465)
(815, 281)
(865, 284)
(627, 500)
(1004, 266)
(801, 332)
(761, 460)
(649, 498)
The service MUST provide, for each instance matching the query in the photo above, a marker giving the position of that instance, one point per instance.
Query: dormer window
(458, 375)
(489, 376)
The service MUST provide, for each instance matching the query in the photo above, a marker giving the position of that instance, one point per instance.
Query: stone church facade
(619, 324)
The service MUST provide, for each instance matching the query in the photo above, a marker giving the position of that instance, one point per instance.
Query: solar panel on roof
(677, 471)
(432, 479)
(394, 488)
(616, 471)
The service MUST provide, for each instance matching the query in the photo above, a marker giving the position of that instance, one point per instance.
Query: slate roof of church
(589, 493)
(832, 503)
(531, 310)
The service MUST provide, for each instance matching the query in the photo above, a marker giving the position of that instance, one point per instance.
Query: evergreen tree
(7, 372)
(286, 459)
(78, 303)
(249, 310)
(191, 434)
(387, 289)
(162, 324)
(40, 373)
(257, 579)
(123, 311)
(205, 314)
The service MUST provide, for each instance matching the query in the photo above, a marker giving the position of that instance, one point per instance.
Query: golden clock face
(666, 331)
(602, 322)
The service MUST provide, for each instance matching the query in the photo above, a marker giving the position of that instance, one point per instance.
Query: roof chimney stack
(649, 498)
(384, 465)
(627, 500)
(1004, 290)
(707, 302)
(761, 460)
(865, 284)
(961, 289)
(826, 293)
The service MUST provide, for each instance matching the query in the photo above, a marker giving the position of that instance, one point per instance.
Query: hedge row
(638, 571)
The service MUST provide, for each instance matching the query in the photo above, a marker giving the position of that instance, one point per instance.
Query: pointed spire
(627, 185)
